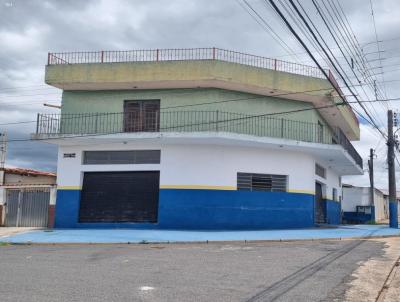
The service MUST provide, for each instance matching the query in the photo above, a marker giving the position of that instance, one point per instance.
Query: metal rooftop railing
(182, 54)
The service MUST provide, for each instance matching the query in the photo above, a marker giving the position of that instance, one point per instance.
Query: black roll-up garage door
(120, 197)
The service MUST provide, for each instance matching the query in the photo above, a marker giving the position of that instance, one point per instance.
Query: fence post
(20, 196)
(95, 126)
(282, 127)
(274, 64)
(48, 58)
(157, 128)
(217, 121)
(102, 56)
(37, 123)
(213, 54)
(157, 55)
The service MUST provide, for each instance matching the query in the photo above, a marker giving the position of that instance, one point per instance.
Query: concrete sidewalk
(9, 231)
(162, 236)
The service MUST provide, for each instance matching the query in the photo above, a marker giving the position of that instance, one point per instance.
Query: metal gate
(112, 197)
(27, 207)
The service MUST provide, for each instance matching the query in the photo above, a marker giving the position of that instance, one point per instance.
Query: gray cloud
(29, 29)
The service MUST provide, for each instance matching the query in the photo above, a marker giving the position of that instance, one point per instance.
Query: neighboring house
(357, 206)
(386, 196)
(197, 139)
(27, 197)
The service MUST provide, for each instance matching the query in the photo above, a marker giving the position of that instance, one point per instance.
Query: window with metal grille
(320, 171)
(261, 182)
(142, 116)
(121, 157)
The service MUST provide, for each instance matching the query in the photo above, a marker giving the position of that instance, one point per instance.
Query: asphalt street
(268, 271)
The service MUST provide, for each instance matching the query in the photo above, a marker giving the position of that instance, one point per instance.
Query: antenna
(3, 149)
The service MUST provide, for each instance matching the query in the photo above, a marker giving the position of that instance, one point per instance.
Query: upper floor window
(261, 182)
(142, 116)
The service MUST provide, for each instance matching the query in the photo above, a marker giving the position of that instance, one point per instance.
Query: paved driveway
(274, 271)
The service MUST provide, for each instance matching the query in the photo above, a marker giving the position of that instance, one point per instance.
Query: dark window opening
(320, 171)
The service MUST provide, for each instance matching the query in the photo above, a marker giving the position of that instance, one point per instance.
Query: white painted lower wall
(204, 166)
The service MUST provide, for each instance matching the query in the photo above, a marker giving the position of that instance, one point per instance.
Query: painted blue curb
(161, 236)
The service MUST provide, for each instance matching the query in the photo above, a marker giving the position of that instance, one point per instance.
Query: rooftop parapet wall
(249, 74)
(188, 54)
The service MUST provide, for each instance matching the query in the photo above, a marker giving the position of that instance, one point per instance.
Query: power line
(358, 51)
(23, 87)
(352, 49)
(337, 43)
(18, 96)
(220, 121)
(316, 62)
(377, 43)
(225, 101)
(17, 123)
(213, 102)
(264, 24)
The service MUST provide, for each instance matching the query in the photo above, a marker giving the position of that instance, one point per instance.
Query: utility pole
(393, 223)
(3, 149)
(371, 175)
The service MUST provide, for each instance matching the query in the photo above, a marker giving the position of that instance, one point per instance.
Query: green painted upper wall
(195, 110)
(244, 103)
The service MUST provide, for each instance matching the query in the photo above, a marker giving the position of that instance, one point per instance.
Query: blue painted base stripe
(210, 210)
(333, 212)
(393, 218)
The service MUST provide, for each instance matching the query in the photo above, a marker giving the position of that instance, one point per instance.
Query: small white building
(358, 199)
(27, 197)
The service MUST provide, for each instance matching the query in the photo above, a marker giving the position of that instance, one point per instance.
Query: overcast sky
(30, 29)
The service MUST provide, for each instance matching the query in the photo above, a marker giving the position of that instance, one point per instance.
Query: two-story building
(196, 139)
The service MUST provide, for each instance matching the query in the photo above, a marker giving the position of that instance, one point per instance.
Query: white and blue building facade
(196, 140)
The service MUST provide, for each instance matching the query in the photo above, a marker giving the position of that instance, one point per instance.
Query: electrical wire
(264, 24)
(371, 120)
(220, 121)
(340, 48)
(216, 102)
(377, 43)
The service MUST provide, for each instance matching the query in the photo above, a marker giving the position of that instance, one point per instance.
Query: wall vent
(125, 157)
(261, 182)
(320, 171)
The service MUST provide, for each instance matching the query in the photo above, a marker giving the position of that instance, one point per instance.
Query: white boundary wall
(360, 196)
